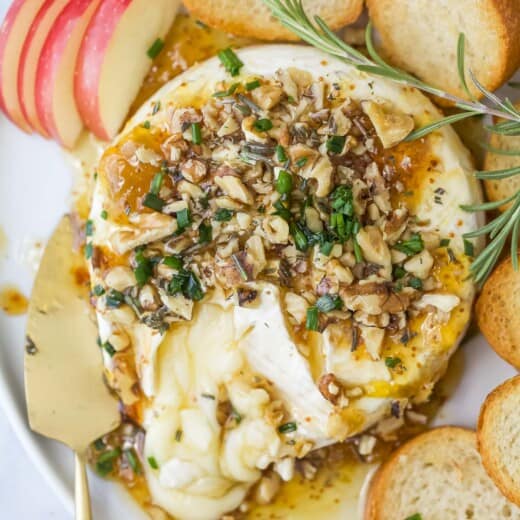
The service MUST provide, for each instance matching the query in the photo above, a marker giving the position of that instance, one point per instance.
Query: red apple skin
(31, 51)
(90, 63)
(9, 105)
(50, 63)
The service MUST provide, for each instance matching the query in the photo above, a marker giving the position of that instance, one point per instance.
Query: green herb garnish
(288, 427)
(205, 233)
(335, 144)
(183, 219)
(154, 202)
(231, 61)
(284, 182)
(411, 246)
(253, 84)
(329, 302)
(281, 156)
(153, 463)
(223, 215)
(155, 49)
(312, 321)
(175, 262)
(157, 181)
(392, 362)
(196, 135)
(263, 124)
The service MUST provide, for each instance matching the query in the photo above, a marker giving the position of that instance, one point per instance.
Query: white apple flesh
(30, 56)
(113, 59)
(54, 87)
(13, 32)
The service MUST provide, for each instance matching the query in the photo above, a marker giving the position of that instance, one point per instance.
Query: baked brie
(274, 267)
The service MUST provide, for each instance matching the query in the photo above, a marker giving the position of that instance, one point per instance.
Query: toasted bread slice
(437, 476)
(498, 311)
(421, 36)
(252, 18)
(502, 188)
(498, 437)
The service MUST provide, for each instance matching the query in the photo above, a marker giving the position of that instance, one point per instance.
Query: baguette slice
(498, 312)
(252, 18)
(502, 188)
(498, 437)
(439, 476)
(421, 36)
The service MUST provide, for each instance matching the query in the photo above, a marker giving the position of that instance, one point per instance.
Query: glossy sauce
(12, 301)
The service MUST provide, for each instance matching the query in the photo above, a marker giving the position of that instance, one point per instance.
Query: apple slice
(29, 57)
(113, 59)
(13, 32)
(55, 103)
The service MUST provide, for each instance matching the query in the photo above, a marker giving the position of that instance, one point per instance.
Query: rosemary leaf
(498, 174)
(448, 120)
(460, 64)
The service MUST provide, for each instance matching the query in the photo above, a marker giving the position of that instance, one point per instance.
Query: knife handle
(82, 496)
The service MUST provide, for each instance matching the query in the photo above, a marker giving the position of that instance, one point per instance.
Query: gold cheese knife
(67, 399)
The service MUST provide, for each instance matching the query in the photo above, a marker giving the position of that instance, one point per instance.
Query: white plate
(34, 193)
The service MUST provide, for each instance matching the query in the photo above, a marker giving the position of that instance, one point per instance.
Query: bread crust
(499, 19)
(497, 312)
(487, 432)
(376, 499)
(251, 18)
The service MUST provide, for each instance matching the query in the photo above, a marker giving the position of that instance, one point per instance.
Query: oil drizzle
(12, 301)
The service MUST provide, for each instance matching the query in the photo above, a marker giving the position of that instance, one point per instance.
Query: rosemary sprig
(292, 15)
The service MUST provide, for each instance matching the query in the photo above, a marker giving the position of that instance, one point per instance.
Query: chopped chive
(146, 125)
(252, 85)
(288, 427)
(208, 396)
(336, 143)
(411, 246)
(193, 289)
(326, 248)
(300, 240)
(416, 516)
(205, 233)
(312, 321)
(89, 250)
(302, 162)
(157, 181)
(399, 272)
(175, 262)
(99, 444)
(155, 49)
(282, 210)
(263, 124)
(223, 215)
(445, 242)
(105, 462)
(154, 202)
(89, 228)
(281, 156)
(143, 271)
(153, 463)
(104, 214)
(156, 107)
(357, 251)
(183, 218)
(196, 135)
(114, 299)
(469, 248)
(178, 435)
(284, 182)
(225, 93)
(415, 283)
(133, 461)
(98, 290)
(230, 61)
(329, 302)
(392, 362)
(109, 349)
